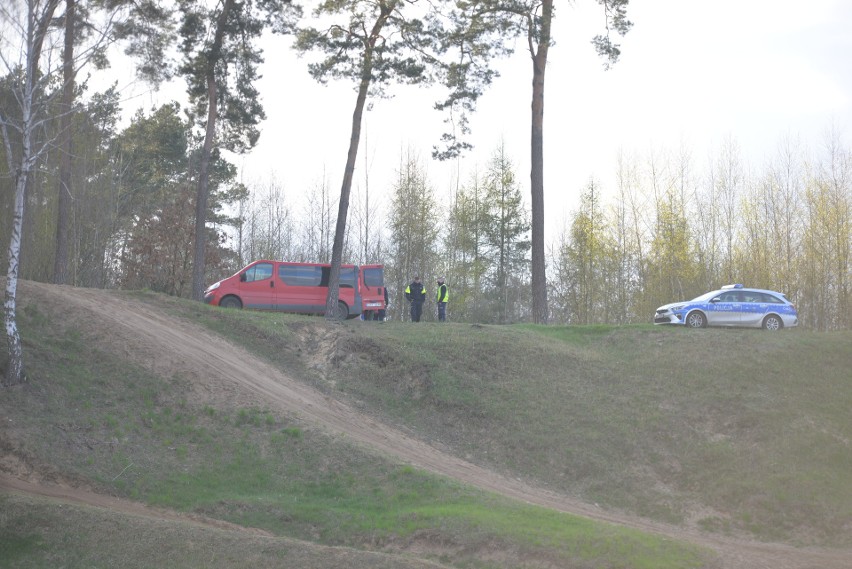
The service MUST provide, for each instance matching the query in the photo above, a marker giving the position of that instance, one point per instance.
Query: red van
(300, 288)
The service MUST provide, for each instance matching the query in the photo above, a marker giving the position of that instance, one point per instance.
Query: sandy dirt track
(168, 344)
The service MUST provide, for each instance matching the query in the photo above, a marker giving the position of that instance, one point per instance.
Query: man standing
(441, 299)
(384, 310)
(415, 293)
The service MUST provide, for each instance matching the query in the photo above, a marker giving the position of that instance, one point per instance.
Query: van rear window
(374, 277)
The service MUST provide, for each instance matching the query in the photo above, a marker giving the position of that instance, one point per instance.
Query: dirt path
(170, 345)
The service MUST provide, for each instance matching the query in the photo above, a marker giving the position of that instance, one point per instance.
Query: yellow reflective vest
(443, 294)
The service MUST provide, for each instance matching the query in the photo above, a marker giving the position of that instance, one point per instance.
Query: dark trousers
(442, 312)
(416, 310)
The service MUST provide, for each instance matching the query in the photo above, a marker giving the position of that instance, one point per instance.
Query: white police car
(732, 305)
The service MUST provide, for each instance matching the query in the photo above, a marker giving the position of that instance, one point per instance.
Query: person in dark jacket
(383, 311)
(442, 297)
(415, 293)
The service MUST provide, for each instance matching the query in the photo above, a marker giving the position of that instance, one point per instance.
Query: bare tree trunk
(539, 273)
(343, 207)
(60, 261)
(198, 265)
(348, 173)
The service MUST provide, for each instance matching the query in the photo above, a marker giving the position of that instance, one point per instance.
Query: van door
(257, 287)
(372, 287)
(349, 292)
(298, 289)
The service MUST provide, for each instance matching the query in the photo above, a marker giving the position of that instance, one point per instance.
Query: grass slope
(736, 431)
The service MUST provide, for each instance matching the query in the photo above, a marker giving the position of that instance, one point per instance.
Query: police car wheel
(696, 320)
(772, 323)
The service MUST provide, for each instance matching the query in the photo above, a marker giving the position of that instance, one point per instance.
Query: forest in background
(669, 230)
(158, 204)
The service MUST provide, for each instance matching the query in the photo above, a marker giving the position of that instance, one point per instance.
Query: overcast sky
(691, 74)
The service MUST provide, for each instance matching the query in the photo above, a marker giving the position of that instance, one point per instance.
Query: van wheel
(230, 302)
(342, 311)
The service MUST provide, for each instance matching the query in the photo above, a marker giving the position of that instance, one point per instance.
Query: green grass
(40, 534)
(735, 431)
(745, 429)
(92, 416)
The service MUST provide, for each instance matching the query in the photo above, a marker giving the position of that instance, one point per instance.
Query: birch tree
(728, 179)
(626, 251)
(32, 28)
(267, 229)
(27, 50)
(827, 243)
(317, 223)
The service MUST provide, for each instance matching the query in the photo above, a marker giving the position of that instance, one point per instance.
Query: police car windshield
(706, 296)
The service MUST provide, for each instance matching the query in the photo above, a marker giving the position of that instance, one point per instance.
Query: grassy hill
(736, 432)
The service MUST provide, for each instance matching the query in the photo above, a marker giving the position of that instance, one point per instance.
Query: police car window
(769, 298)
(259, 272)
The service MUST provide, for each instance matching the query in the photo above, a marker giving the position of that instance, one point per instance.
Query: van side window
(299, 275)
(259, 272)
(347, 277)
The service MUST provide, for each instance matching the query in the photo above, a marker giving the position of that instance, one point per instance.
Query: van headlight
(212, 287)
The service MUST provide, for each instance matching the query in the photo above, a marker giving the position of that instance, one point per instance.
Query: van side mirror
(242, 277)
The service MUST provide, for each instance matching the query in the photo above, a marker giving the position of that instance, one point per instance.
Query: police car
(732, 305)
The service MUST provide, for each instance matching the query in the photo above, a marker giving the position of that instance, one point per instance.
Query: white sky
(691, 74)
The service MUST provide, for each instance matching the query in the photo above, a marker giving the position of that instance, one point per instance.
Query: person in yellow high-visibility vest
(441, 299)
